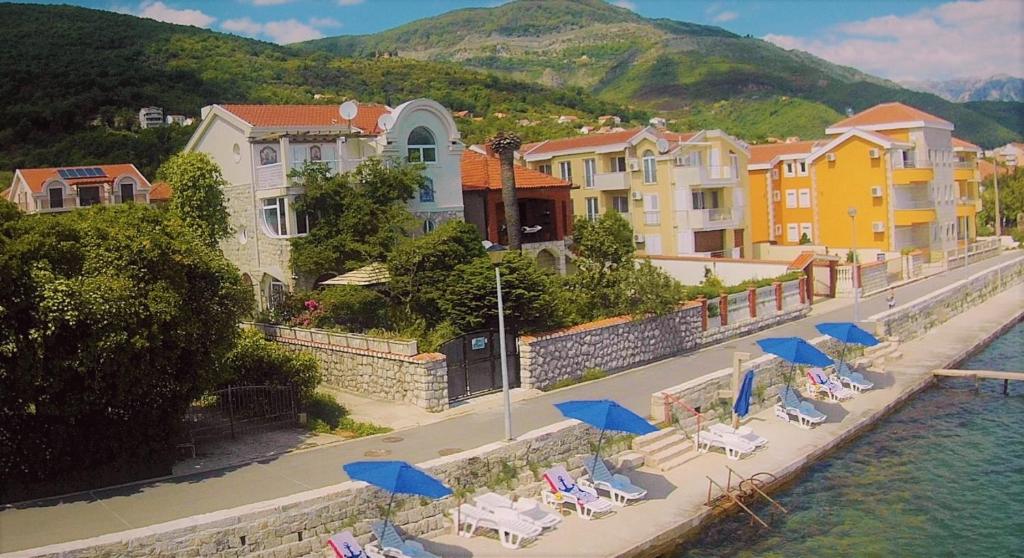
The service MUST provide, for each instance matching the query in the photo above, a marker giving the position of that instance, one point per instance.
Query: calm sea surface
(944, 476)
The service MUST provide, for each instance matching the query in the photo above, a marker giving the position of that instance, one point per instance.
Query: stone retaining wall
(748, 326)
(917, 317)
(874, 277)
(382, 368)
(300, 524)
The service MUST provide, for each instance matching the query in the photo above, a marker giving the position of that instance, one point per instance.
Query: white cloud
(951, 40)
(349, 2)
(242, 25)
(282, 31)
(162, 12)
(724, 17)
(324, 22)
(625, 4)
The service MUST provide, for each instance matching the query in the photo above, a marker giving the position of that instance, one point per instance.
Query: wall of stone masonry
(384, 368)
(611, 344)
(751, 325)
(299, 525)
(874, 277)
(915, 318)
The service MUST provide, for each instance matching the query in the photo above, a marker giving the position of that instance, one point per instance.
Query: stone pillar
(778, 295)
(703, 313)
(752, 301)
(723, 308)
(803, 294)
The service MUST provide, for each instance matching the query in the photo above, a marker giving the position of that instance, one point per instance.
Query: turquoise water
(944, 476)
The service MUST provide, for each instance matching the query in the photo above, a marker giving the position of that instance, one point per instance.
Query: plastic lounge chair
(564, 490)
(790, 405)
(734, 447)
(745, 433)
(345, 545)
(855, 380)
(832, 388)
(619, 487)
(392, 544)
(511, 530)
(527, 509)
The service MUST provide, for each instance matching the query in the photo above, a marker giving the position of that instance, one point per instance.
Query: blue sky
(899, 39)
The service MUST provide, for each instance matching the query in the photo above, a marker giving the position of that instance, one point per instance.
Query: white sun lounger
(511, 530)
(345, 545)
(393, 544)
(619, 487)
(526, 509)
(734, 447)
(790, 406)
(564, 490)
(744, 433)
(830, 387)
(854, 379)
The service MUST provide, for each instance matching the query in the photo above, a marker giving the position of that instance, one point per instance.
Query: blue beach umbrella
(795, 351)
(742, 405)
(396, 477)
(847, 333)
(605, 414)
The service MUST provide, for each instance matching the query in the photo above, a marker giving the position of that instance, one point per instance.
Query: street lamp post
(497, 253)
(854, 276)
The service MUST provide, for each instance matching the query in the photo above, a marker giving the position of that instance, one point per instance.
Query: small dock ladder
(746, 490)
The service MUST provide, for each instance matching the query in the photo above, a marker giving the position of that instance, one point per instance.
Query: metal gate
(474, 363)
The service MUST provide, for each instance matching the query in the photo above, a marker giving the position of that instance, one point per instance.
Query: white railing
(714, 218)
(611, 181)
(913, 204)
(698, 175)
(958, 257)
(270, 176)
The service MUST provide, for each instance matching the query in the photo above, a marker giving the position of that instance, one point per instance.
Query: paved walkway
(116, 509)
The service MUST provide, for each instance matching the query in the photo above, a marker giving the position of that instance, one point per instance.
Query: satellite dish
(385, 122)
(348, 110)
(662, 145)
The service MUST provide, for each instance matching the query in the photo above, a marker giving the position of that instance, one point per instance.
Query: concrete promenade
(117, 509)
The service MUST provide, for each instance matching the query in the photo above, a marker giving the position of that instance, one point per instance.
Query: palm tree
(505, 145)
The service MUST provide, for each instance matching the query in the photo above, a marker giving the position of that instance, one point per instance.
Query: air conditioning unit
(830, 157)
(874, 153)
(776, 196)
(638, 238)
(634, 165)
(877, 226)
(775, 173)
(638, 196)
(778, 230)
(876, 191)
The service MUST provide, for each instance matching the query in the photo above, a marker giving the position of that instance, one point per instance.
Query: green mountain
(70, 94)
(696, 74)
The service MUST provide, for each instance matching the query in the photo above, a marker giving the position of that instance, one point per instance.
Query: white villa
(257, 145)
(56, 189)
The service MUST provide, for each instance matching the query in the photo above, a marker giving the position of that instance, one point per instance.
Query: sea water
(943, 476)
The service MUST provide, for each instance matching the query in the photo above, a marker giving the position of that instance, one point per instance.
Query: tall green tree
(1011, 200)
(197, 194)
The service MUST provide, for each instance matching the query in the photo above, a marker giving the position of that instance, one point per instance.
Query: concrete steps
(664, 449)
(875, 358)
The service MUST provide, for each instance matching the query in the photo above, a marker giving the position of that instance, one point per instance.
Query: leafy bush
(352, 307)
(323, 409)
(589, 375)
(256, 361)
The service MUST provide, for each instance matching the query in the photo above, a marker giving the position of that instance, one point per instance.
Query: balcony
(909, 216)
(965, 174)
(705, 176)
(611, 181)
(710, 219)
(911, 175)
(913, 203)
(269, 177)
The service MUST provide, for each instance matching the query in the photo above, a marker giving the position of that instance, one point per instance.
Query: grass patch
(326, 416)
(589, 375)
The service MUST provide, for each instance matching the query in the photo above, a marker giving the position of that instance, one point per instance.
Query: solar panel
(91, 171)
(77, 173)
(64, 173)
(98, 172)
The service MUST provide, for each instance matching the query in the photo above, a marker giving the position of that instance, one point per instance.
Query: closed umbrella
(605, 414)
(742, 405)
(847, 332)
(396, 477)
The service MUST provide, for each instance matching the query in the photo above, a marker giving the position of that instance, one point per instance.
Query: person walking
(891, 299)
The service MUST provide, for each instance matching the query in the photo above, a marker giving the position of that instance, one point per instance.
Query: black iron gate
(474, 363)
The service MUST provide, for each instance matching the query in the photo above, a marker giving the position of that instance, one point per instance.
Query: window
(805, 228)
(789, 168)
(698, 200)
(591, 208)
(274, 212)
(429, 225)
(427, 190)
(652, 244)
(56, 197)
(315, 154)
(565, 169)
(790, 198)
(545, 168)
(589, 168)
(802, 168)
(275, 293)
(127, 191)
(652, 207)
(620, 204)
(650, 168)
(805, 197)
(268, 156)
(792, 232)
(422, 147)
(88, 196)
(618, 164)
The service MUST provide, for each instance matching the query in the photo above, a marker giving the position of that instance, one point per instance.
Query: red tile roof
(677, 136)
(961, 144)
(764, 153)
(161, 191)
(36, 178)
(484, 172)
(886, 113)
(579, 142)
(272, 116)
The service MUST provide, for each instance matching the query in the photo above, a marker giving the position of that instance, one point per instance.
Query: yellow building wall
(757, 199)
(844, 183)
(786, 215)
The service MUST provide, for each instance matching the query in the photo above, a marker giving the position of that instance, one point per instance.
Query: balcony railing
(611, 181)
(270, 176)
(713, 218)
(913, 204)
(704, 175)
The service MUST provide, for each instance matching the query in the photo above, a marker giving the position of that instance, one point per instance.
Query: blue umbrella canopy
(795, 350)
(847, 332)
(397, 477)
(606, 414)
(742, 405)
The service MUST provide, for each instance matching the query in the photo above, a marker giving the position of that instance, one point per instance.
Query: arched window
(427, 190)
(422, 146)
(315, 154)
(126, 188)
(429, 225)
(650, 168)
(268, 156)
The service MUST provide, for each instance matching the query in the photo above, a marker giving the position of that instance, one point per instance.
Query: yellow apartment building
(911, 185)
(684, 194)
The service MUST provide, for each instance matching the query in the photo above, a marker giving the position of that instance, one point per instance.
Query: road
(117, 509)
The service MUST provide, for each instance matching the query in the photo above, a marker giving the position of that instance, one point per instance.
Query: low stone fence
(300, 524)
(874, 277)
(384, 368)
(915, 318)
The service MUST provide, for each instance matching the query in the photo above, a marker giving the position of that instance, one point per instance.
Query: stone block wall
(610, 344)
(917, 317)
(874, 277)
(717, 335)
(300, 524)
(372, 366)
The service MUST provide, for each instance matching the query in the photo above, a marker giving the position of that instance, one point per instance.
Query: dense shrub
(324, 413)
(352, 307)
(256, 361)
